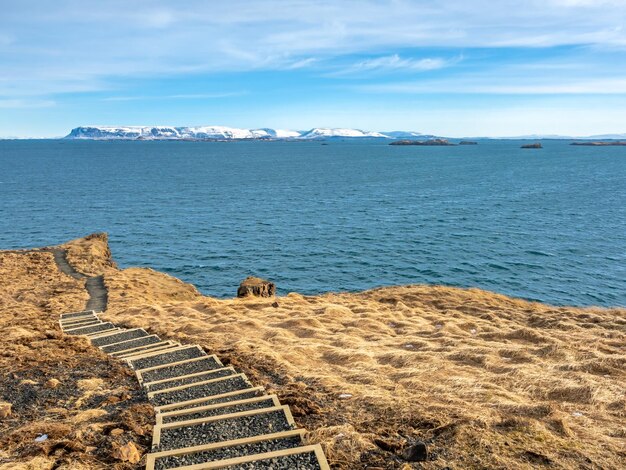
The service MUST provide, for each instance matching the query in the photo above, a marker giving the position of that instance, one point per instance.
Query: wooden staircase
(208, 416)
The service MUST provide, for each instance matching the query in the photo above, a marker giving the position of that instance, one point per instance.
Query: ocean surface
(546, 225)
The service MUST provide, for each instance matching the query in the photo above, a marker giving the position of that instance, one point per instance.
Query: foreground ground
(485, 380)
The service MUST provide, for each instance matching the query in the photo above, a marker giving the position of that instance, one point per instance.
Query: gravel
(223, 453)
(65, 316)
(304, 461)
(130, 344)
(117, 337)
(77, 324)
(146, 349)
(209, 375)
(256, 405)
(216, 401)
(186, 368)
(229, 384)
(223, 430)
(166, 358)
(91, 329)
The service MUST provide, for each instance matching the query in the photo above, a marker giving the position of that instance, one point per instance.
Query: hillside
(485, 380)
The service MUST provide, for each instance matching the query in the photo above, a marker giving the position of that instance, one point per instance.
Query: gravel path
(132, 343)
(65, 316)
(209, 375)
(202, 390)
(163, 345)
(224, 430)
(228, 452)
(117, 337)
(79, 323)
(224, 410)
(186, 368)
(91, 329)
(166, 358)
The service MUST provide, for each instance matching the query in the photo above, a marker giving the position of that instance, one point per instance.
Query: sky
(450, 67)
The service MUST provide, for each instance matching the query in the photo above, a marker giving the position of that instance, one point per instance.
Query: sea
(546, 225)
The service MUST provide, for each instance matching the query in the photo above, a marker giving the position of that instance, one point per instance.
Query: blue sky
(457, 68)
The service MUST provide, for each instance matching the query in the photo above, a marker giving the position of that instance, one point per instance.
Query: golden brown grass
(486, 380)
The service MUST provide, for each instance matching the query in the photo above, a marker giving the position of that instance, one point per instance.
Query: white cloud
(395, 62)
(22, 104)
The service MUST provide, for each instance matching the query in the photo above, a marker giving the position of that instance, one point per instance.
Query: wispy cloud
(191, 96)
(393, 63)
(25, 104)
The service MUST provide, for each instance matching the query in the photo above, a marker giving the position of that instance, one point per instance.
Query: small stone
(416, 452)
(128, 453)
(52, 383)
(5, 409)
(254, 286)
(116, 432)
(275, 304)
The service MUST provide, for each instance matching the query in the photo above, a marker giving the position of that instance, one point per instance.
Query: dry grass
(487, 381)
(90, 394)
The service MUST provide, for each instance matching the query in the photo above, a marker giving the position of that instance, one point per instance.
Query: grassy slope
(488, 381)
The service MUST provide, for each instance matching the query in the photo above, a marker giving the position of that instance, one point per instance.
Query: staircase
(208, 416)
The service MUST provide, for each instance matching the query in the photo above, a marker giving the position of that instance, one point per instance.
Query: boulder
(416, 452)
(257, 287)
(5, 409)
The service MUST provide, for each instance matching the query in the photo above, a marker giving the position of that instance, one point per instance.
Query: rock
(256, 287)
(416, 452)
(5, 409)
(532, 146)
(275, 305)
(52, 383)
(128, 453)
(116, 432)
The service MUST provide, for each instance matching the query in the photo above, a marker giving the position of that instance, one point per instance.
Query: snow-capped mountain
(326, 133)
(225, 133)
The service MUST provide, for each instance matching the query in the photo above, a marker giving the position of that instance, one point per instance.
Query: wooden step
(162, 346)
(189, 379)
(157, 359)
(222, 428)
(205, 401)
(64, 316)
(207, 388)
(66, 325)
(224, 450)
(176, 369)
(133, 333)
(307, 457)
(131, 344)
(255, 403)
(102, 327)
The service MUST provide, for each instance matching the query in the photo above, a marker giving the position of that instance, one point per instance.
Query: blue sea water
(546, 225)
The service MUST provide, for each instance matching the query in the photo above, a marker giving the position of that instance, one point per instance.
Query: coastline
(487, 381)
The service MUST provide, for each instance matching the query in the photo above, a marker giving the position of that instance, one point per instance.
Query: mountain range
(227, 133)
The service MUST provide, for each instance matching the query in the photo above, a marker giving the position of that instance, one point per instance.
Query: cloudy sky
(451, 67)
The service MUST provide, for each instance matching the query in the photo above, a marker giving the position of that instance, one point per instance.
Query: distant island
(431, 142)
(468, 142)
(532, 146)
(602, 143)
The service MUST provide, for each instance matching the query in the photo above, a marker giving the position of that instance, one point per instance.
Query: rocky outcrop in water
(601, 143)
(532, 146)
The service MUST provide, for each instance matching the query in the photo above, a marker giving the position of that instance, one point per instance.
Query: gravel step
(189, 379)
(131, 344)
(91, 329)
(256, 403)
(223, 428)
(200, 390)
(76, 323)
(187, 367)
(222, 451)
(167, 357)
(163, 345)
(300, 460)
(77, 314)
(214, 400)
(122, 336)
(99, 334)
